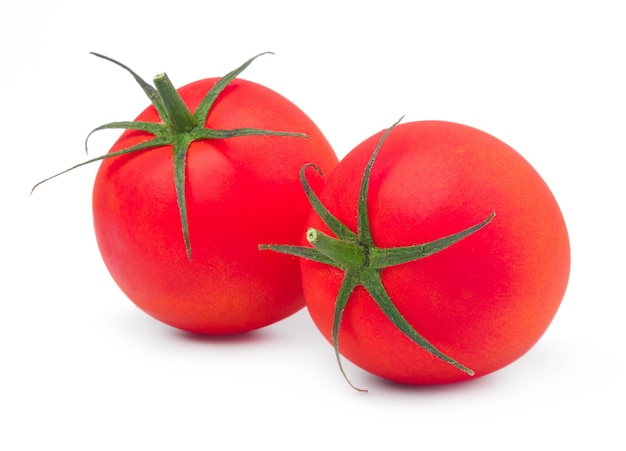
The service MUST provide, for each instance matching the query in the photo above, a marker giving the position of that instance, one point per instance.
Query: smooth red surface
(486, 300)
(241, 192)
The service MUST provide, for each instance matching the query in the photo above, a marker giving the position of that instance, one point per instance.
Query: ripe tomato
(478, 301)
(236, 190)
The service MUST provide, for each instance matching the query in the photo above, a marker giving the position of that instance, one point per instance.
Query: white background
(83, 369)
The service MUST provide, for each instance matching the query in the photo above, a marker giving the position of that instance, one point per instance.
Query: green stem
(347, 254)
(179, 117)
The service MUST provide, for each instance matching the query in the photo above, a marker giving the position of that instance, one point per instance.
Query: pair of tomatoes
(433, 252)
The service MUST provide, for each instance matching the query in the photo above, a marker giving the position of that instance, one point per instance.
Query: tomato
(178, 227)
(475, 297)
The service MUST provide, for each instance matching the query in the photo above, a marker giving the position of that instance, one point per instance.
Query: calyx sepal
(362, 261)
(178, 128)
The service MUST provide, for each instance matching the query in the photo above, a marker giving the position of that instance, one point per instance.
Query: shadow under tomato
(480, 383)
(243, 338)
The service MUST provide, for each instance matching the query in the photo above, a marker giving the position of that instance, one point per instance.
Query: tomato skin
(240, 192)
(486, 300)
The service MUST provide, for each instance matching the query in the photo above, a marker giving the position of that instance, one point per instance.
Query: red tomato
(239, 192)
(485, 300)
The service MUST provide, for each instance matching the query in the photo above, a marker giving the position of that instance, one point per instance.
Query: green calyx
(178, 128)
(362, 261)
